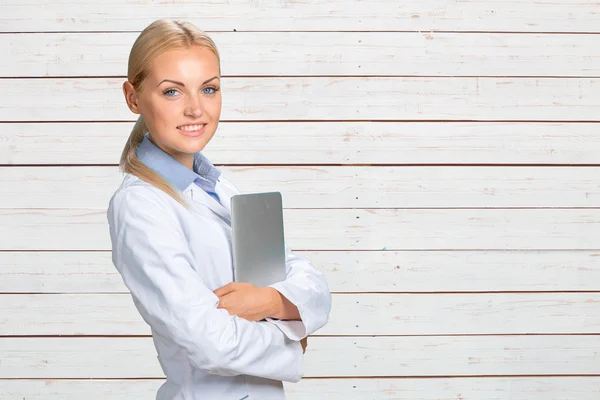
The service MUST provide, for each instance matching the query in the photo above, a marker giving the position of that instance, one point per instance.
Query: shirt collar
(204, 174)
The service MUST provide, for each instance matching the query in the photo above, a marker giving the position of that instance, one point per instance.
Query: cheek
(165, 112)
(214, 108)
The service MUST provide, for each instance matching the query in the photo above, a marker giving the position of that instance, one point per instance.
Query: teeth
(191, 127)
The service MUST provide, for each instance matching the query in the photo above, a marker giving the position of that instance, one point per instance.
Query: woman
(171, 237)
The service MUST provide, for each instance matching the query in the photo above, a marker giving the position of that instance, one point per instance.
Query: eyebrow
(181, 84)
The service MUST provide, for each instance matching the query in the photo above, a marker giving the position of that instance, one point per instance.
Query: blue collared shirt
(205, 174)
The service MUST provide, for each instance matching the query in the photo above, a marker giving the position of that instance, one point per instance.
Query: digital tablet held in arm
(258, 238)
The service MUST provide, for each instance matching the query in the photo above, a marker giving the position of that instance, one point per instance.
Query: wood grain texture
(414, 356)
(305, 15)
(345, 271)
(372, 314)
(540, 388)
(322, 143)
(325, 98)
(331, 187)
(342, 229)
(438, 161)
(319, 53)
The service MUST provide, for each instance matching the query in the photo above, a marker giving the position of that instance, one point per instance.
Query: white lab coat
(171, 259)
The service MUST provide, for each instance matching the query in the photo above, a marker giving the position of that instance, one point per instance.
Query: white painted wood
(514, 388)
(352, 314)
(331, 187)
(303, 15)
(338, 143)
(442, 356)
(319, 53)
(345, 271)
(325, 98)
(59, 272)
(342, 229)
(96, 389)
(360, 215)
(542, 388)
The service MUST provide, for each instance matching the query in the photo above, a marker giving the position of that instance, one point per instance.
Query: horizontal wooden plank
(345, 271)
(331, 187)
(338, 143)
(314, 15)
(343, 229)
(539, 388)
(397, 314)
(325, 98)
(319, 53)
(325, 356)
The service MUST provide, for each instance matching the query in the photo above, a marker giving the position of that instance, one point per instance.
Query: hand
(304, 343)
(247, 301)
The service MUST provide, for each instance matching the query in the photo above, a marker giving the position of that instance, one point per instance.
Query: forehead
(196, 62)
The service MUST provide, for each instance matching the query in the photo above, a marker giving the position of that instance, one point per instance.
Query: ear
(131, 97)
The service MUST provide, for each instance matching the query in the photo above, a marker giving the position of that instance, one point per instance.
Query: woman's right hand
(303, 342)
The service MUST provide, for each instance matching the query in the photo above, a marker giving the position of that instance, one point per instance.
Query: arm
(152, 255)
(283, 308)
(305, 293)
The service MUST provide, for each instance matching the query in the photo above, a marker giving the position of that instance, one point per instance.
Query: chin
(181, 143)
(192, 144)
(189, 147)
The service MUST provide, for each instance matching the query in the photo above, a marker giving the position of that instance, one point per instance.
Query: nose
(193, 107)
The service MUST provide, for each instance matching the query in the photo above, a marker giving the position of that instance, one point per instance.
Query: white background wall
(438, 161)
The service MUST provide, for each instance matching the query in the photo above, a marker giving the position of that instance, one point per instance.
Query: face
(180, 101)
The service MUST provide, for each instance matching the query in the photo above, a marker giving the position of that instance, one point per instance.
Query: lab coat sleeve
(307, 289)
(150, 251)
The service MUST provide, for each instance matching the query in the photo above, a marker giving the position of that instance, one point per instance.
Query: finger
(222, 291)
(223, 301)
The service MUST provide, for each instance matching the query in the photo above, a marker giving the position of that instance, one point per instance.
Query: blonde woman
(171, 237)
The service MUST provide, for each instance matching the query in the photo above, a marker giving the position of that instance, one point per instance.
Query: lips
(191, 128)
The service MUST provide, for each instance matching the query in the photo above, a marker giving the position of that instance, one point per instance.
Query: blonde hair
(158, 37)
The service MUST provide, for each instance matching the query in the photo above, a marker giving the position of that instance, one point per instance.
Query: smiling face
(180, 100)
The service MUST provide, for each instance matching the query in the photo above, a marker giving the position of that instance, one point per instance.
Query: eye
(170, 92)
(210, 90)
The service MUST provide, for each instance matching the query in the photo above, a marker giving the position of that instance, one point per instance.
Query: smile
(191, 128)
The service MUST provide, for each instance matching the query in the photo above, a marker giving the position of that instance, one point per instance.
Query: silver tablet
(258, 238)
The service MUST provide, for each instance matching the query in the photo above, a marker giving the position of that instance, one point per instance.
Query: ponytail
(130, 163)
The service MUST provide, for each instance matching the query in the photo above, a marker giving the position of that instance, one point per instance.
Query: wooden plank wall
(438, 161)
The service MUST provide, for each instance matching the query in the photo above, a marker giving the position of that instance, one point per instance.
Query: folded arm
(152, 255)
(306, 299)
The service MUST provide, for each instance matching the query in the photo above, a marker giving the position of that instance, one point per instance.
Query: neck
(184, 158)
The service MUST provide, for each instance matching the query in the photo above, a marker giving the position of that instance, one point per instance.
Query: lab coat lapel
(200, 196)
(225, 196)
